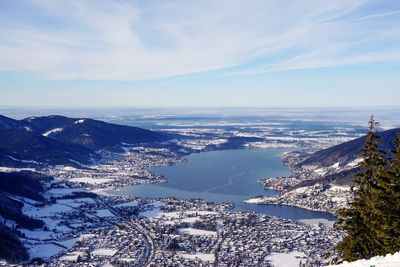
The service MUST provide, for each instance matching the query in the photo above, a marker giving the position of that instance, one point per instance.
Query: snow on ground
(56, 130)
(127, 204)
(69, 243)
(126, 259)
(23, 160)
(46, 210)
(37, 234)
(390, 260)
(320, 171)
(190, 220)
(193, 231)
(43, 250)
(209, 257)
(317, 221)
(177, 214)
(75, 202)
(256, 200)
(103, 213)
(89, 180)
(151, 213)
(7, 169)
(190, 216)
(355, 162)
(68, 168)
(336, 165)
(59, 192)
(79, 121)
(73, 256)
(290, 259)
(86, 236)
(104, 252)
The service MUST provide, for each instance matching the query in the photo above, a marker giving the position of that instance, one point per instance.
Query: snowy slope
(390, 260)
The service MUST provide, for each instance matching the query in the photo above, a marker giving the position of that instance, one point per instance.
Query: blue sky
(104, 53)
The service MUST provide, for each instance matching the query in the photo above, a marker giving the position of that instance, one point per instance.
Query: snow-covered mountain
(63, 140)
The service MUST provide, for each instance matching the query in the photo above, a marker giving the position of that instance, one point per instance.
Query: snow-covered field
(104, 252)
(44, 250)
(73, 256)
(193, 231)
(104, 213)
(89, 180)
(290, 259)
(390, 260)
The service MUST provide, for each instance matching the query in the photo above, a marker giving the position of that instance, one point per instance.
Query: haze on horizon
(120, 53)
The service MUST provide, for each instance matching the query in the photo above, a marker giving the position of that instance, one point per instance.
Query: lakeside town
(86, 226)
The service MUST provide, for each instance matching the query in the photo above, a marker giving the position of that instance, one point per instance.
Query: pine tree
(394, 204)
(364, 219)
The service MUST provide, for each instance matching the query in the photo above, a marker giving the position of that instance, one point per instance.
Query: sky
(120, 53)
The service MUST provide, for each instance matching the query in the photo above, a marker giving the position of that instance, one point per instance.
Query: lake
(224, 176)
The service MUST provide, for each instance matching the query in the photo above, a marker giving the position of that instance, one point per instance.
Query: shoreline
(263, 201)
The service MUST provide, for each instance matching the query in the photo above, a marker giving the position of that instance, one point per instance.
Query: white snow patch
(127, 204)
(317, 221)
(151, 213)
(89, 180)
(56, 130)
(177, 214)
(44, 250)
(79, 121)
(390, 260)
(72, 256)
(46, 210)
(104, 252)
(58, 192)
(193, 231)
(336, 165)
(77, 202)
(256, 200)
(320, 171)
(23, 160)
(355, 162)
(290, 259)
(8, 169)
(104, 213)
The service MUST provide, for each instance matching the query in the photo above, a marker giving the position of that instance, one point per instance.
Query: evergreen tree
(364, 219)
(394, 194)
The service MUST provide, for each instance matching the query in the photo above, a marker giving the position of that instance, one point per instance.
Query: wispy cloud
(131, 40)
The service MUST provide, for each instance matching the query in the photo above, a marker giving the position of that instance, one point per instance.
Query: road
(150, 243)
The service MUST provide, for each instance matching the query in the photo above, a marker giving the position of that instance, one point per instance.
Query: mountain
(347, 152)
(29, 148)
(11, 124)
(11, 248)
(13, 185)
(62, 140)
(91, 133)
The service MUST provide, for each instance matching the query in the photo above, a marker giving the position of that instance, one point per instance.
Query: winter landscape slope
(91, 133)
(390, 260)
(62, 140)
(347, 152)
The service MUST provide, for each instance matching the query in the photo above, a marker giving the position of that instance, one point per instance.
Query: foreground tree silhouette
(394, 198)
(365, 221)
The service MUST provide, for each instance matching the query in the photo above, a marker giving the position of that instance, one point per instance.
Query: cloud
(135, 40)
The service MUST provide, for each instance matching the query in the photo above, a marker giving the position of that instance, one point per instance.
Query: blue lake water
(224, 176)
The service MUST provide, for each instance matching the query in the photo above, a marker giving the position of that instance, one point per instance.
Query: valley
(88, 216)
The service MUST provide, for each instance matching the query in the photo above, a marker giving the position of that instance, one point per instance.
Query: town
(87, 226)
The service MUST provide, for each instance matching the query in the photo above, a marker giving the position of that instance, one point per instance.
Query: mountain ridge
(58, 139)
